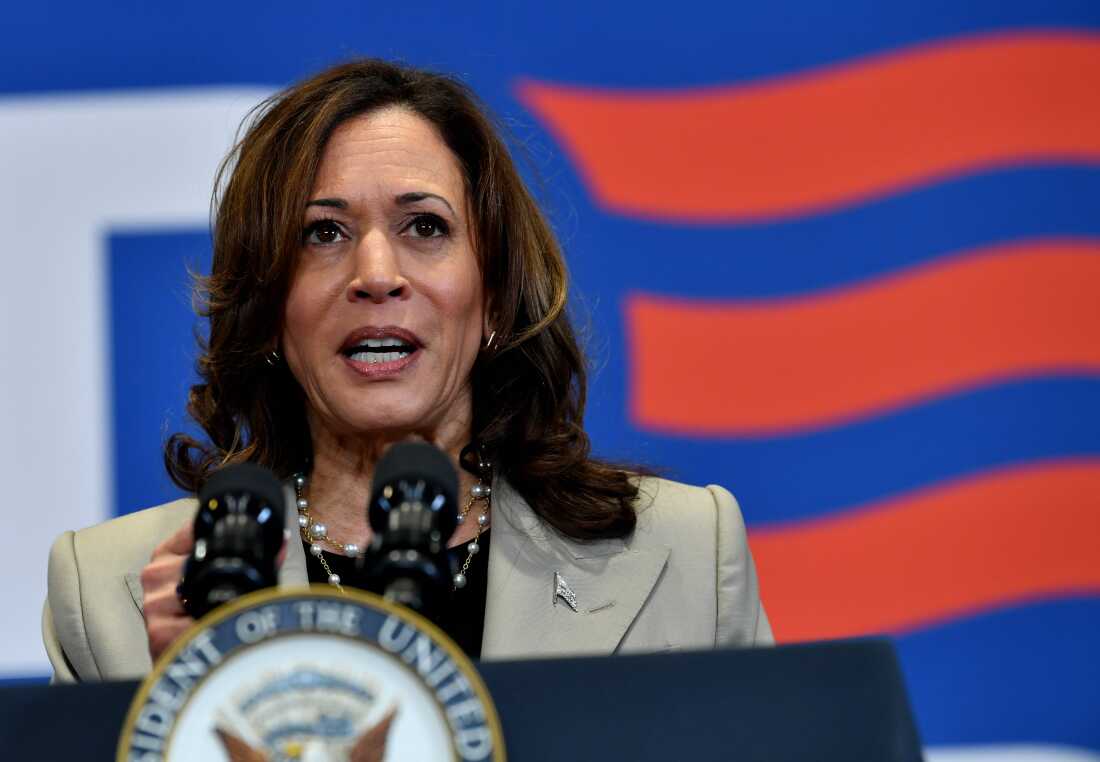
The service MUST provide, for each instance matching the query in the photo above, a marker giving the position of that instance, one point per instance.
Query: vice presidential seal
(316, 676)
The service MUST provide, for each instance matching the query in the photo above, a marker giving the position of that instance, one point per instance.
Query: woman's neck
(338, 488)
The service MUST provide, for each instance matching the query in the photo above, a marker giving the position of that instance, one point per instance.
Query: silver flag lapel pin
(563, 591)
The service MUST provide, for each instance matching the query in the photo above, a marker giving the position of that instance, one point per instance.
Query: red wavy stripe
(949, 551)
(760, 367)
(839, 135)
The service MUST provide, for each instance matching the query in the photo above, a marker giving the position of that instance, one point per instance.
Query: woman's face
(384, 317)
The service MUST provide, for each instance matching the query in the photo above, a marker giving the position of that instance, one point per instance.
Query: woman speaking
(381, 273)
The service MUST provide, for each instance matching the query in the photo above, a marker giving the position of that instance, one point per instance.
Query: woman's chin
(389, 426)
(386, 411)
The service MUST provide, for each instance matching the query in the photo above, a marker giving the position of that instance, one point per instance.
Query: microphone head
(415, 491)
(243, 478)
(238, 534)
(249, 494)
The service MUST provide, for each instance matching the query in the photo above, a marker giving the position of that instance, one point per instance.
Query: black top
(464, 619)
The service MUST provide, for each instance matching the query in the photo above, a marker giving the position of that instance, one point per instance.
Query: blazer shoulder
(664, 505)
(687, 520)
(125, 544)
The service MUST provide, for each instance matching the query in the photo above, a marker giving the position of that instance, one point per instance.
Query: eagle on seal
(369, 747)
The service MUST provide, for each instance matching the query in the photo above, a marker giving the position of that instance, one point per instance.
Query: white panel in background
(1009, 753)
(71, 168)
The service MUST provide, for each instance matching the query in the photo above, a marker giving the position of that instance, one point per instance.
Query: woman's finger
(163, 632)
(165, 618)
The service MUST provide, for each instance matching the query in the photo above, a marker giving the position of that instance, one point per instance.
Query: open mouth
(379, 351)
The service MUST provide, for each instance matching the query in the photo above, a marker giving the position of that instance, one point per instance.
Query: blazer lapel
(525, 617)
(293, 572)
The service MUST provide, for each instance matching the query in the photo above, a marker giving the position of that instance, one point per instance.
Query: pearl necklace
(316, 533)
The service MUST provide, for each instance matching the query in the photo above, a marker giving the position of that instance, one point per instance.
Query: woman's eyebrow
(412, 198)
(336, 203)
(403, 200)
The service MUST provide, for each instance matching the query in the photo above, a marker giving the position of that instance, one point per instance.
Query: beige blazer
(684, 580)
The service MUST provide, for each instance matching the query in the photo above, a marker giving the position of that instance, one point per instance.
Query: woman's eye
(323, 232)
(428, 226)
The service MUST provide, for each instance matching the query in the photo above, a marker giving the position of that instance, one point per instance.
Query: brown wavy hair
(528, 393)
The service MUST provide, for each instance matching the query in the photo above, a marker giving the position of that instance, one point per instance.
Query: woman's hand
(165, 619)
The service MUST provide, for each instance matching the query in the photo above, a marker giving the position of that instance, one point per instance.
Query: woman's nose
(378, 275)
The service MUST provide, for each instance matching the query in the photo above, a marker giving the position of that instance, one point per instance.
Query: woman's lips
(382, 367)
(372, 333)
(380, 351)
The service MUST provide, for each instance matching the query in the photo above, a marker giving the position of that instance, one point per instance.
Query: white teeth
(388, 341)
(373, 358)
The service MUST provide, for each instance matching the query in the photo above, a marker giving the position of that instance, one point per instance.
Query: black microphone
(238, 535)
(413, 512)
